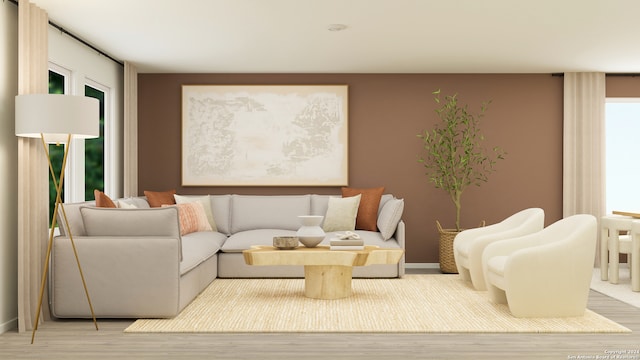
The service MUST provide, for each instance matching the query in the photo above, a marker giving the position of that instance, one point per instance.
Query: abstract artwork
(264, 135)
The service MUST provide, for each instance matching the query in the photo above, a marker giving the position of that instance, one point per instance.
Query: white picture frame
(265, 135)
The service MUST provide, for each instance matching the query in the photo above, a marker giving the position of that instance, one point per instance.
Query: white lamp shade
(56, 116)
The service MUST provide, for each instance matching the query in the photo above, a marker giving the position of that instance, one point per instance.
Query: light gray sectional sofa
(136, 263)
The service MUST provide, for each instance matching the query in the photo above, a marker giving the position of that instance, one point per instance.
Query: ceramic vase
(310, 233)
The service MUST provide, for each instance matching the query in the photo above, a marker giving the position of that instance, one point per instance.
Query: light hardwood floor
(78, 339)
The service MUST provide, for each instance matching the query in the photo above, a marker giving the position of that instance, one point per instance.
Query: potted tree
(454, 158)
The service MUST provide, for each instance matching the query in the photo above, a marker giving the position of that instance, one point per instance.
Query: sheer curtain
(33, 180)
(130, 129)
(584, 145)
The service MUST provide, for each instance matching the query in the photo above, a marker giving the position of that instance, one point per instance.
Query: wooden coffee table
(327, 273)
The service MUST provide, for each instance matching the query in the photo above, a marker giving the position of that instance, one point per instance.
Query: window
(94, 150)
(621, 128)
(85, 170)
(58, 83)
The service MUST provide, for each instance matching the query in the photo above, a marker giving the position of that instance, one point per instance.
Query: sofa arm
(400, 238)
(127, 277)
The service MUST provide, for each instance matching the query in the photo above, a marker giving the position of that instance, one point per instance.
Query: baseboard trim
(9, 325)
(421, 265)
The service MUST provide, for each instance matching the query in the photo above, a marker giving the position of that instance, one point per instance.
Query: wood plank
(77, 339)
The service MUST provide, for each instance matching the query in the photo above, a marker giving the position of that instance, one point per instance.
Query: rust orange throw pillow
(102, 200)
(367, 217)
(159, 198)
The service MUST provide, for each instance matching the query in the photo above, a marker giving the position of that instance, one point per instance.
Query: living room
(387, 109)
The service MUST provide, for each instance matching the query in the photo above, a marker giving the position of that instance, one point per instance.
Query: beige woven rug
(416, 303)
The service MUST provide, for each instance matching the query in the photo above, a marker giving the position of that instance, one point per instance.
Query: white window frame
(109, 136)
(74, 184)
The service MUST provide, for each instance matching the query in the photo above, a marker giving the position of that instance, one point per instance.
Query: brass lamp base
(58, 206)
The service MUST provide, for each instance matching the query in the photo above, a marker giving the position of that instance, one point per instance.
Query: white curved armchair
(545, 274)
(469, 244)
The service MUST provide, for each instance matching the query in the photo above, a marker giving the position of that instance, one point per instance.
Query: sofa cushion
(103, 200)
(319, 203)
(250, 212)
(389, 217)
(74, 217)
(220, 208)
(159, 198)
(206, 204)
(368, 207)
(126, 205)
(192, 218)
(243, 240)
(138, 203)
(199, 246)
(341, 214)
(130, 222)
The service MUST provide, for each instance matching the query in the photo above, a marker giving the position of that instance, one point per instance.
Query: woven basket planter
(447, 260)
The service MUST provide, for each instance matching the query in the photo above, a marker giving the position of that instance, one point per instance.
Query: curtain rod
(62, 30)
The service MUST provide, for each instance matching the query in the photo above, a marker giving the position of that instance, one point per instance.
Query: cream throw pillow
(125, 205)
(341, 214)
(206, 204)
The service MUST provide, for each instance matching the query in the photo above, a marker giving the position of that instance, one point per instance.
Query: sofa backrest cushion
(132, 222)
(250, 212)
(220, 208)
(74, 217)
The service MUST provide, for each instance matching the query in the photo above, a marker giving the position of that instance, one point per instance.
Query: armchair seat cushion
(496, 264)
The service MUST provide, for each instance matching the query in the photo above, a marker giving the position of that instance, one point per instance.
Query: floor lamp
(57, 119)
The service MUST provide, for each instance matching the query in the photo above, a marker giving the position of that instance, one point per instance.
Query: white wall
(87, 64)
(8, 167)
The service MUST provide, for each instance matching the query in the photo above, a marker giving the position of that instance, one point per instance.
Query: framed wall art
(264, 135)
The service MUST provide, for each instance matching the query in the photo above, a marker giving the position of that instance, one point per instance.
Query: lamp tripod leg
(58, 205)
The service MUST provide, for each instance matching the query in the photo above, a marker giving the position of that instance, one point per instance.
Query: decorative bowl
(285, 242)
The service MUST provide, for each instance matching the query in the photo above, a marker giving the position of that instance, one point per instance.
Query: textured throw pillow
(341, 214)
(102, 200)
(192, 218)
(159, 198)
(390, 216)
(126, 205)
(368, 208)
(206, 204)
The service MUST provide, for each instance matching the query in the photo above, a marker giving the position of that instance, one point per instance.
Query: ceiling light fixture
(336, 27)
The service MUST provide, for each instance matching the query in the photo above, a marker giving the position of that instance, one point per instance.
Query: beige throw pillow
(341, 214)
(206, 204)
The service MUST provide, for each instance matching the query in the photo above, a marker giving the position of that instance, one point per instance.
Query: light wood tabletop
(327, 273)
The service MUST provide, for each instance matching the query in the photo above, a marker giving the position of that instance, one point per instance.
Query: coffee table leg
(327, 281)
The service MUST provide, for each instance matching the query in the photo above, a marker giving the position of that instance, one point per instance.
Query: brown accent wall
(386, 111)
(623, 86)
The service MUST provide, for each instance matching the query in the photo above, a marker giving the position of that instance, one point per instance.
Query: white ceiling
(383, 36)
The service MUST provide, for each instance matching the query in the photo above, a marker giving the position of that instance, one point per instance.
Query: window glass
(94, 151)
(56, 152)
(622, 128)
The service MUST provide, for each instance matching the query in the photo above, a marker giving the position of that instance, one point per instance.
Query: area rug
(413, 304)
(620, 291)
